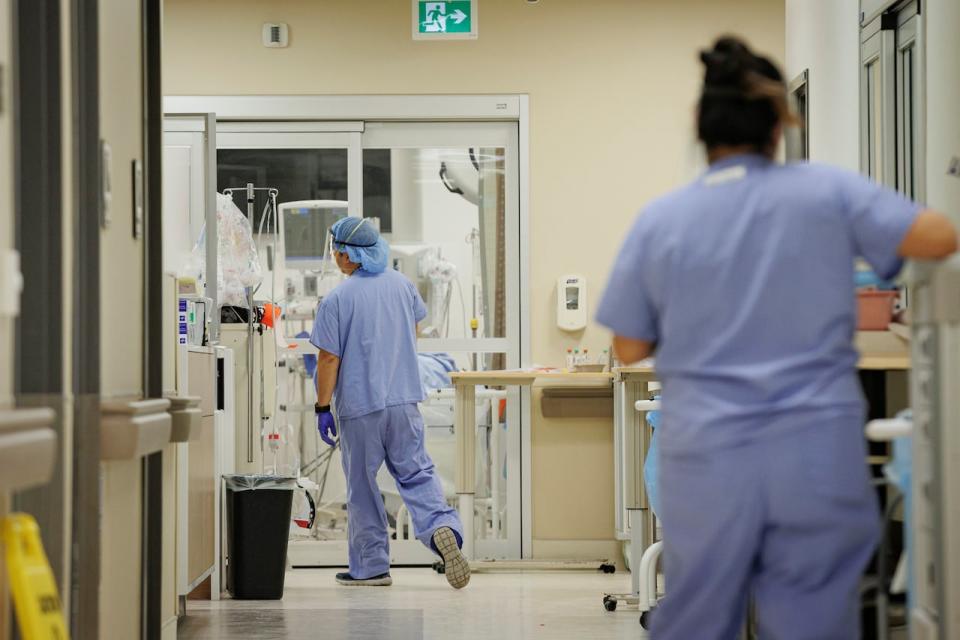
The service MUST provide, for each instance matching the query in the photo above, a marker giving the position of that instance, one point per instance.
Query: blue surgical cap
(362, 243)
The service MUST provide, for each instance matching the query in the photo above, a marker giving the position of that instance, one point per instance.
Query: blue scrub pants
(791, 520)
(394, 436)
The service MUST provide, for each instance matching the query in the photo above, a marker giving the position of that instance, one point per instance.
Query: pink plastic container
(875, 310)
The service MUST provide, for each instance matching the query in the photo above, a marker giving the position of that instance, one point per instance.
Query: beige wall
(942, 57)
(824, 39)
(612, 85)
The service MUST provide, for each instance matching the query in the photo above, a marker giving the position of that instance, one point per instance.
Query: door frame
(41, 187)
(152, 525)
(333, 135)
(423, 108)
(87, 192)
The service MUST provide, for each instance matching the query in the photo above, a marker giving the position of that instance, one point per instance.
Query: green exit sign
(444, 20)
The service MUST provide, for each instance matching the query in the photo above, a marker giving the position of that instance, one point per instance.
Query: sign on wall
(444, 19)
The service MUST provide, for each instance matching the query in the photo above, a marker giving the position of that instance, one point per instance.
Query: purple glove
(327, 428)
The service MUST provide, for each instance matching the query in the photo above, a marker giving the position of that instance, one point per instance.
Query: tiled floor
(420, 604)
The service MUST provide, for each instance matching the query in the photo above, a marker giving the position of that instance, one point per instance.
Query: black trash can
(258, 527)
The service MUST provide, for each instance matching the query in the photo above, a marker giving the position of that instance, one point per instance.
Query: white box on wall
(276, 35)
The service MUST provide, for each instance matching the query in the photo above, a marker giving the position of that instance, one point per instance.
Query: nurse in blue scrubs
(365, 331)
(741, 285)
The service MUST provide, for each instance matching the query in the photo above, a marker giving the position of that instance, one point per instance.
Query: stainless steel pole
(251, 362)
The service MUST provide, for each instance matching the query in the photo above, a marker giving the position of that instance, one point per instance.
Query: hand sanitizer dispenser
(572, 303)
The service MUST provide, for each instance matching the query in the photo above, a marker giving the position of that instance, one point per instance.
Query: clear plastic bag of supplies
(238, 264)
(304, 511)
(281, 450)
(254, 482)
(651, 465)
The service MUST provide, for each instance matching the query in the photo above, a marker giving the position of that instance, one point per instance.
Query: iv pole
(251, 190)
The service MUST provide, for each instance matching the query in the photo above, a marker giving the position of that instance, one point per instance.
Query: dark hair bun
(728, 63)
(743, 99)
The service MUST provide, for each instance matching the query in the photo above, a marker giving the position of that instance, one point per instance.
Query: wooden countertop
(514, 377)
(868, 362)
(884, 362)
(876, 361)
(574, 376)
(492, 378)
(634, 370)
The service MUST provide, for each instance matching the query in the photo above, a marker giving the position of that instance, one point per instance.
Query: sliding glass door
(449, 204)
(446, 197)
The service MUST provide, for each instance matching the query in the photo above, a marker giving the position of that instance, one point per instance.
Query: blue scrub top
(369, 322)
(744, 280)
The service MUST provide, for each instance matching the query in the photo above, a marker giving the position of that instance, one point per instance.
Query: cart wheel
(609, 603)
(608, 568)
(645, 620)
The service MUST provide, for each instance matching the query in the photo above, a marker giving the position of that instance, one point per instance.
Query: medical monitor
(305, 225)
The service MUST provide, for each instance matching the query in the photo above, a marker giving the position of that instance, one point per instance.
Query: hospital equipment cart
(635, 524)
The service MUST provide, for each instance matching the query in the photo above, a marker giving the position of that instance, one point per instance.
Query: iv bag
(238, 264)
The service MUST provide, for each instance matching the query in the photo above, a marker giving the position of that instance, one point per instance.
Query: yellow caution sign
(35, 596)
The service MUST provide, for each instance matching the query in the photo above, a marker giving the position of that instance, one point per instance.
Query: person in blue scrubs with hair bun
(741, 284)
(366, 332)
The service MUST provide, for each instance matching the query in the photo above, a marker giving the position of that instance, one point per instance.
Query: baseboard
(610, 550)
(169, 629)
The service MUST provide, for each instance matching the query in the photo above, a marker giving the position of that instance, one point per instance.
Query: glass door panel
(909, 156)
(446, 197)
(313, 169)
(452, 193)
(871, 105)
(878, 108)
(317, 181)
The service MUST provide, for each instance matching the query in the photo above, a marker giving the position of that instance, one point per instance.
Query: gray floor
(420, 604)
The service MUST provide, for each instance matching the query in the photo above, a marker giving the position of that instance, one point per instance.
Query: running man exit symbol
(445, 19)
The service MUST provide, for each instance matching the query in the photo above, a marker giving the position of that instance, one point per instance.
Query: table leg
(465, 505)
(637, 437)
(495, 466)
(637, 547)
(465, 429)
